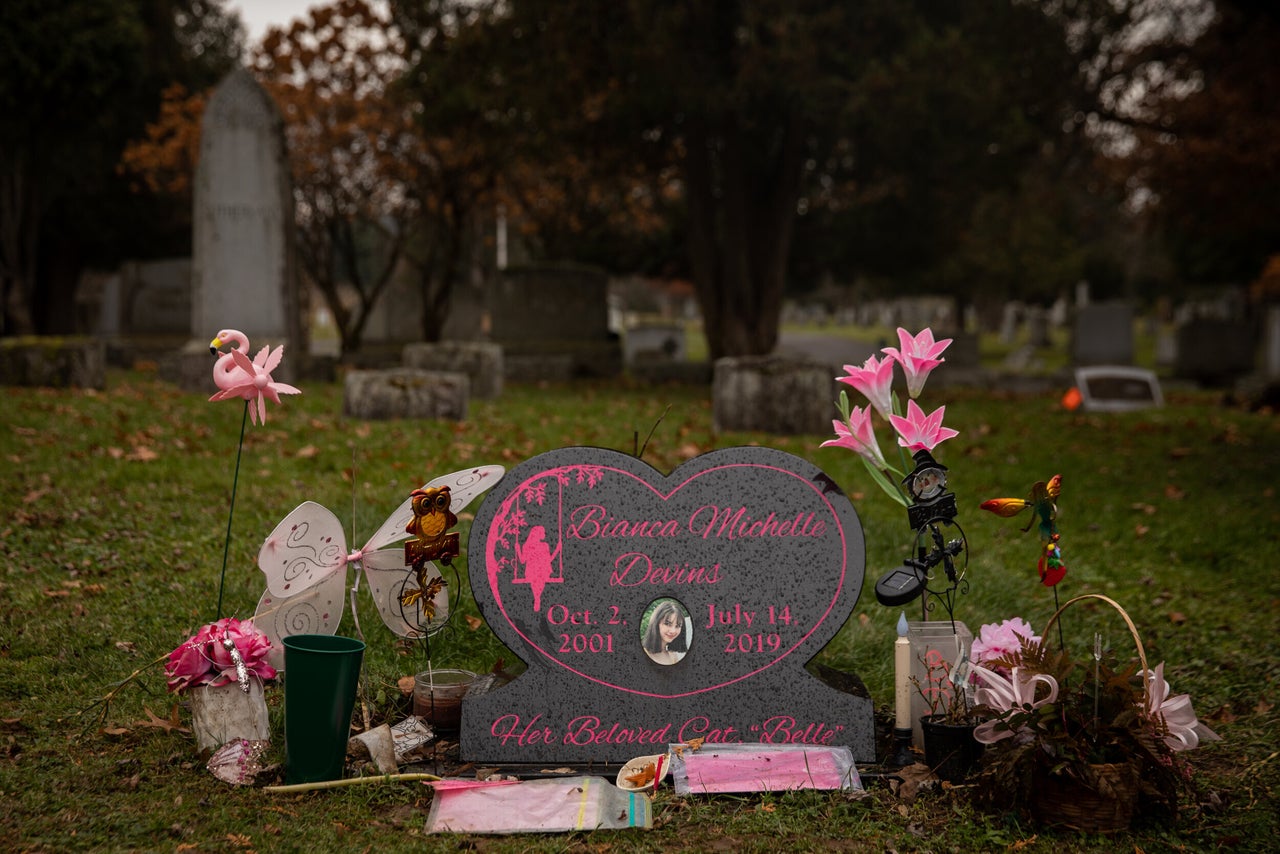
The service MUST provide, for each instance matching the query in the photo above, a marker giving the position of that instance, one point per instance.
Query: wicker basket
(1102, 802)
(1103, 805)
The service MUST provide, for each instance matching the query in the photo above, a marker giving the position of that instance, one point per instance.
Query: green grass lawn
(112, 524)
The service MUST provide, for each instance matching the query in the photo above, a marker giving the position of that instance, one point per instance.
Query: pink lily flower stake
(918, 355)
(238, 377)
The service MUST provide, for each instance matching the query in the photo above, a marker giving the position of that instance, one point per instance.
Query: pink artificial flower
(1002, 694)
(1000, 640)
(917, 432)
(919, 356)
(873, 380)
(1185, 730)
(857, 435)
(205, 660)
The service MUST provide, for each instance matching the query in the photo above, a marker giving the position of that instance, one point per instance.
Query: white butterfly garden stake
(305, 560)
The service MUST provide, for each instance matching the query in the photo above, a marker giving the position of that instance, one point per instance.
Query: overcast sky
(258, 15)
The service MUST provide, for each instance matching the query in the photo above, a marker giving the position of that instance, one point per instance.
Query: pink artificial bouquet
(209, 656)
(916, 431)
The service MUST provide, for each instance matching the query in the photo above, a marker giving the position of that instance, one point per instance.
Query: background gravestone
(553, 323)
(573, 548)
(481, 362)
(1214, 351)
(1103, 334)
(243, 271)
(773, 394)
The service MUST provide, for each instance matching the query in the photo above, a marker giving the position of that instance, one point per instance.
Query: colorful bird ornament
(1044, 514)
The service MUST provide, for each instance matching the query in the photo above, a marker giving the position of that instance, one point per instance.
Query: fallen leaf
(405, 684)
(1173, 493)
(1177, 617)
(473, 623)
(142, 454)
(56, 594)
(306, 452)
(239, 839)
(863, 619)
(768, 808)
(1263, 706)
(644, 776)
(114, 731)
(127, 646)
(1141, 530)
(1022, 843)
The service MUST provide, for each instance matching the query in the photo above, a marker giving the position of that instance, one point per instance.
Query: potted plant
(947, 730)
(1083, 745)
(223, 668)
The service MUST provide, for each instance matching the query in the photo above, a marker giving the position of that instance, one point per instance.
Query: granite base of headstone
(773, 394)
(480, 361)
(53, 362)
(1214, 352)
(405, 393)
(654, 609)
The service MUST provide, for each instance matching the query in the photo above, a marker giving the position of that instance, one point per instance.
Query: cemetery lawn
(112, 524)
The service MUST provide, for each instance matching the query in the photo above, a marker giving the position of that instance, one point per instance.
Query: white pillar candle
(902, 676)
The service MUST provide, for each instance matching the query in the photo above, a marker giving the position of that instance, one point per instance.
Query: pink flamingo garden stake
(236, 376)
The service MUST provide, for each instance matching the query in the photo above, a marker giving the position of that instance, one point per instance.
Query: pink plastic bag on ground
(762, 768)
(541, 806)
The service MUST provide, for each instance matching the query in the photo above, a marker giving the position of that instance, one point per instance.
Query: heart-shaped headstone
(638, 596)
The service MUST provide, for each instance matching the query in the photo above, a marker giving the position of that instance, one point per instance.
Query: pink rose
(205, 660)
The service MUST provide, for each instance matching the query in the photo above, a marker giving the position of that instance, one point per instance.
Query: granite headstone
(656, 609)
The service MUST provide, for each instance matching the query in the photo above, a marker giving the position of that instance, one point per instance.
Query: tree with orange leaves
(348, 142)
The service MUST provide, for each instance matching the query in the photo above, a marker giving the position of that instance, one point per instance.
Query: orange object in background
(1072, 399)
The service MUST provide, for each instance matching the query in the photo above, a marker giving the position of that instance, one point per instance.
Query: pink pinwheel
(250, 380)
(857, 436)
(873, 380)
(919, 356)
(1185, 729)
(1016, 693)
(917, 432)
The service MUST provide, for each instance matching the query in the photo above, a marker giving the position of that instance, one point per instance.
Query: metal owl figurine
(432, 540)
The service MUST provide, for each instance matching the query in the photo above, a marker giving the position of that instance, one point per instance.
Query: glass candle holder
(437, 696)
